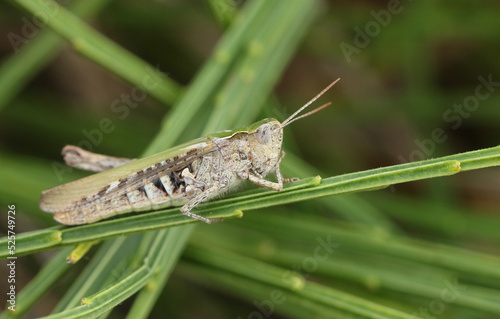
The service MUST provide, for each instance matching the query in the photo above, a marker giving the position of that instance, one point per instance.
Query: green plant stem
(213, 73)
(352, 207)
(109, 259)
(435, 217)
(147, 297)
(468, 263)
(278, 280)
(348, 183)
(104, 52)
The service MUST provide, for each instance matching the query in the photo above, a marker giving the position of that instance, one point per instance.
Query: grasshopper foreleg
(265, 183)
(258, 179)
(278, 173)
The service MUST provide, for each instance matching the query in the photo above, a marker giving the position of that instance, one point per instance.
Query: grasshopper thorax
(265, 138)
(255, 151)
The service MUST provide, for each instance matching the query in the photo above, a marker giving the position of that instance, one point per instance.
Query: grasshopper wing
(104, 194)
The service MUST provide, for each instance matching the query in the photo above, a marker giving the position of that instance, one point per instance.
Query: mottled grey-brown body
(186, 175)
(201, 171)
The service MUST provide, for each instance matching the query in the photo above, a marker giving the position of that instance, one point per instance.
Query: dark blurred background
(419, 79)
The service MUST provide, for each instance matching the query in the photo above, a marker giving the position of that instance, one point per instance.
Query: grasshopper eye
(263, 134)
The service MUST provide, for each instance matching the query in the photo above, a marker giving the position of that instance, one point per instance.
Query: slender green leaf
(101, 50)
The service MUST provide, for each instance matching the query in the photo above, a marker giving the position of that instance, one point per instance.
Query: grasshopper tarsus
(215, 220)
(201, 218)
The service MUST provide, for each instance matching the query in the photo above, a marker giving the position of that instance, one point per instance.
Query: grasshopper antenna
(293, 118)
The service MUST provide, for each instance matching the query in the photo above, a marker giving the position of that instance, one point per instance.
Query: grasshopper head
(265, 138)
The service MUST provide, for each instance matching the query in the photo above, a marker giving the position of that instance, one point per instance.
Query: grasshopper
(186, 175)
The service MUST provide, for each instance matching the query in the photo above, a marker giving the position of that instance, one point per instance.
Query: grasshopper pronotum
(186, 175)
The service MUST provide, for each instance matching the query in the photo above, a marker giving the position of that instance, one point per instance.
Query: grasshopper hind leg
(77, 157)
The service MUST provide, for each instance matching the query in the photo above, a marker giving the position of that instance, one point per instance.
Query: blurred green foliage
(419, 79)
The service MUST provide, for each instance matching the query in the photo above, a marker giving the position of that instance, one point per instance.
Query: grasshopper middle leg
(200, 198)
